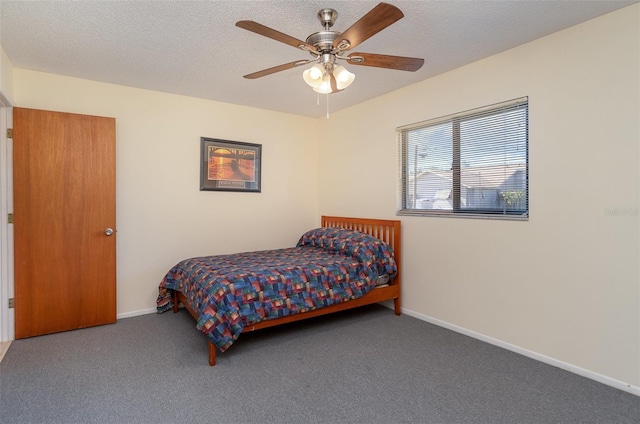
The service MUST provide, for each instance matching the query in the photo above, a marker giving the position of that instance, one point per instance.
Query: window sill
(448, 214)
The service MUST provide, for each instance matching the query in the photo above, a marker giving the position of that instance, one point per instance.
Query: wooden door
(64, 206)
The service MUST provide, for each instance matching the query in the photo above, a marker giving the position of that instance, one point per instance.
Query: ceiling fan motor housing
(323, 40)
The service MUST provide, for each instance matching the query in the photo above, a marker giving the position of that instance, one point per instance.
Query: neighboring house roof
(481, 176)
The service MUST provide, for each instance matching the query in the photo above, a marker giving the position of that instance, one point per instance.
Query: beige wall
(565, 284)
(162, 217)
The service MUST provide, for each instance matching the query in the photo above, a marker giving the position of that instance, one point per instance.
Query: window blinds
(473, 163)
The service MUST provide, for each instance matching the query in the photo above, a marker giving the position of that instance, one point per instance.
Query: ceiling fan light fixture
(325, 85)
(314, 75)
(343, 77)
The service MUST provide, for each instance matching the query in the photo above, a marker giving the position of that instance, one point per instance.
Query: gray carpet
(363, 366)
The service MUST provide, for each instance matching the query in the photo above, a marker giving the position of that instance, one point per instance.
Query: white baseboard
(137, 313)
(530, 354)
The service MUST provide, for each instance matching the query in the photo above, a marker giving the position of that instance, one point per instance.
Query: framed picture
(229, 165)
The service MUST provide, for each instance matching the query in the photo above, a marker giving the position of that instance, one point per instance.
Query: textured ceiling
(193, 48)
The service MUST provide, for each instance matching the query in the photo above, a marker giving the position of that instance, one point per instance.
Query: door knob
(108, 231)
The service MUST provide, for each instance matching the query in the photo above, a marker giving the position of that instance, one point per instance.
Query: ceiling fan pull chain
(327, 106)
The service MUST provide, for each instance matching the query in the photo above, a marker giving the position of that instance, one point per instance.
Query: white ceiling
(193, 48)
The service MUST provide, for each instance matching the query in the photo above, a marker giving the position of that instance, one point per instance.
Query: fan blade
(278, 68)
(276, 35)
(400, 63)
(370, 24)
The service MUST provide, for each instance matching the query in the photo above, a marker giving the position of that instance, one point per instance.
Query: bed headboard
(387, 230)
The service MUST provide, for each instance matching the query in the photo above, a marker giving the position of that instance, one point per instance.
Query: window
(474, 163)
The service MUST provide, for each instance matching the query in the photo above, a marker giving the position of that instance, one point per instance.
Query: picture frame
(227, 165)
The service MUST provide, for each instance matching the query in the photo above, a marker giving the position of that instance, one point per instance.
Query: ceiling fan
(326, 75)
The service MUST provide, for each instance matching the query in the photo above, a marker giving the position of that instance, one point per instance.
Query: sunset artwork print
(231, 164)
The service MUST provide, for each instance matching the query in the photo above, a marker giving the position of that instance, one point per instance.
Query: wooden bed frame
(388, 231)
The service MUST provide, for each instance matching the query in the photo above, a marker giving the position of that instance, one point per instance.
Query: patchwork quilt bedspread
(229, 292)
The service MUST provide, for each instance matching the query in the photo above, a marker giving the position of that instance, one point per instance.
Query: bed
(344, 264)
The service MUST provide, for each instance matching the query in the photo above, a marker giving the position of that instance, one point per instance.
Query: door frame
(7, 317)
